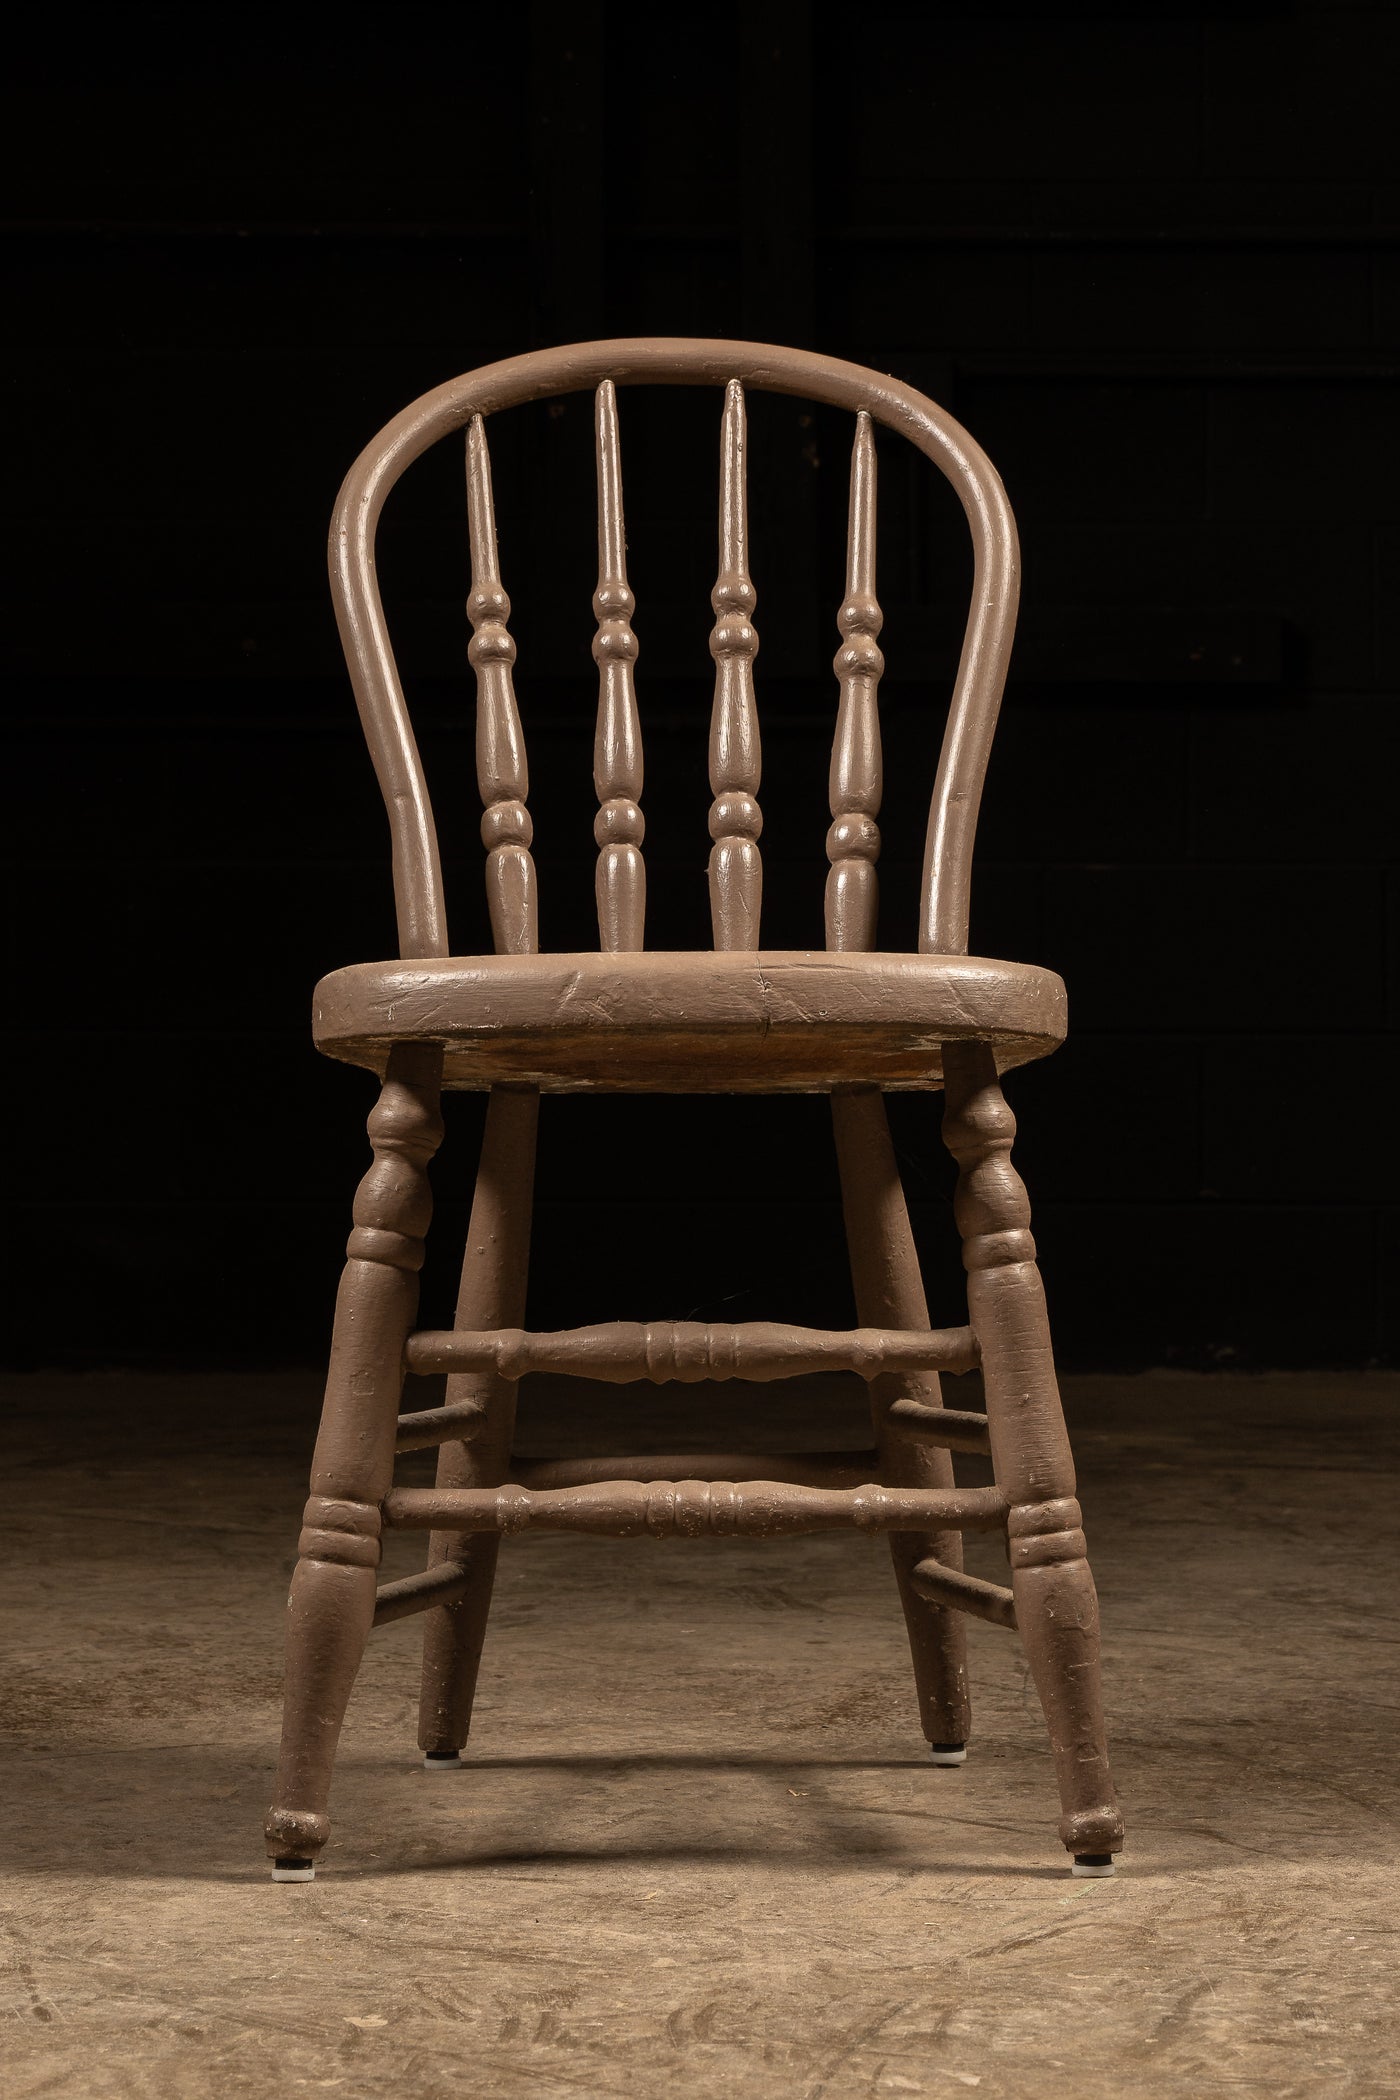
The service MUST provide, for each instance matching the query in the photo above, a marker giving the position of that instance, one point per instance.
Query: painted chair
(849, 1022)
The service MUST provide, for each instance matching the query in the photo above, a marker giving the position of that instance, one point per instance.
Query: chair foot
(294, 1870)
(443, 1761)
(947, 1753)
(1093, 1866)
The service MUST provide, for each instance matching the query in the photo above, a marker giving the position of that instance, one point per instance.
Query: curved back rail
(735, 875)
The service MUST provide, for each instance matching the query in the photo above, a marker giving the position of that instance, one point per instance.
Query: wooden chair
(848, 1022)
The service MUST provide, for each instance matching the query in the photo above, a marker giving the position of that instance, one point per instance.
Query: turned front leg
(1056, 1604)
(331, 1607)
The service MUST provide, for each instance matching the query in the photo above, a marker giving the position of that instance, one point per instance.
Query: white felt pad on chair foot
(948, 1756)
(1093, 1870)
(307, 1873)
(444, 1764)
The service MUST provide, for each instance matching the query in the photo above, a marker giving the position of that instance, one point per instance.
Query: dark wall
(1148, 256)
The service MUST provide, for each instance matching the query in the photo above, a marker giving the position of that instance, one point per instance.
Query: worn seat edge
(691, 1021)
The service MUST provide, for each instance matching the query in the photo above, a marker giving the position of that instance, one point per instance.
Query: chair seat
(691, 1022)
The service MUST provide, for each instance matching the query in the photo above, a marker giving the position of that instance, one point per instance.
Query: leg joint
(1045, 1534)
(979, 1123)
(999, 1250)
(392, 1250)
(335, 1530)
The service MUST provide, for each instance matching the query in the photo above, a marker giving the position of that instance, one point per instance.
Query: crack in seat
(787, 1021)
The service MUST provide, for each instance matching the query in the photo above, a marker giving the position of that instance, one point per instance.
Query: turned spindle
(736, 870)
(694, 1508)
(684, 1351)
(853, 842)
(619, 827)
(502, 774)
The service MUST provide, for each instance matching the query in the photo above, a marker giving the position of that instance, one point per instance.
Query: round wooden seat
(692, 1022)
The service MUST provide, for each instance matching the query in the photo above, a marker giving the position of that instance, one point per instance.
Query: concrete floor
(698, 1851)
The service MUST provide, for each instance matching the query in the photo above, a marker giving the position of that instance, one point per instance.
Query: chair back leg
(889, 1292)
(495, 1270)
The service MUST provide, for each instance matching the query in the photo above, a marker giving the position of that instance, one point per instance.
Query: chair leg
(331, 1608)
(1056, 1605)
(492, 1294)
(889, 1292)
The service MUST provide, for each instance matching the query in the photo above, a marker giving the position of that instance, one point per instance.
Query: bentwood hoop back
(850, 1021)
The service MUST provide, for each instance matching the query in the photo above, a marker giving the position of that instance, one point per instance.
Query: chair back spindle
(853, 842)
(501, 770)
(736, 870)
(619, 827)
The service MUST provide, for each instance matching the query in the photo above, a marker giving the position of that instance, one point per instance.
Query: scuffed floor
(698, 1851)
